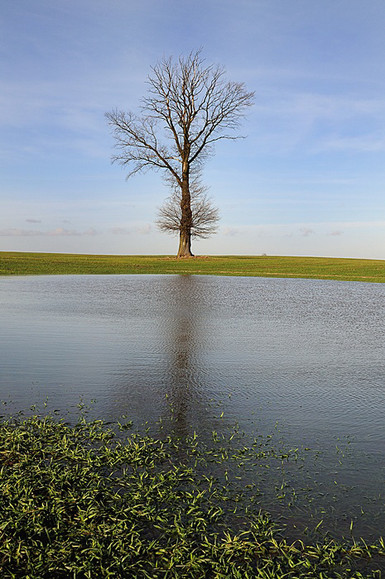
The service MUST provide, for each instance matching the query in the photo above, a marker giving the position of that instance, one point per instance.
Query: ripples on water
(305, 355)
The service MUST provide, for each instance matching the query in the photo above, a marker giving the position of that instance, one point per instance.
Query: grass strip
(91, 500)
(366, 270)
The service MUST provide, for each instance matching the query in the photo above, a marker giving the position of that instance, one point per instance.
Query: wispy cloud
(365, 143)
(306, 231)
(231, 231)
(121, 230)
(315, 104)
(144, 229)
(58, 232)
(323, 121)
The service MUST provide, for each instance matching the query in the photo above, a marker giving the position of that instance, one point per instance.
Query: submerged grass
(367, 270)
(92, 500)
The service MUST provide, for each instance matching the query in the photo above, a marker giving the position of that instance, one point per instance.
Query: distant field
(367, 270)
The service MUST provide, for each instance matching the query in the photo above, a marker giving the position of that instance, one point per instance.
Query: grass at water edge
(91, 500)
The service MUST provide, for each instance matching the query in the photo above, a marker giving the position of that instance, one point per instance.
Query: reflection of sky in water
(308, 354)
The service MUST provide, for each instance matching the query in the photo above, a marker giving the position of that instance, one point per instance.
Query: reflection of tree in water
(164, 339)
(183, 380)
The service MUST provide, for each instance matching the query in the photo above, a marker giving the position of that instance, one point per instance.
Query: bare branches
(138, 145)
(205, 216)
(196, 104)
(188, 104)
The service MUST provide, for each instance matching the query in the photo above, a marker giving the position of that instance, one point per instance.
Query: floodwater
(302, 360)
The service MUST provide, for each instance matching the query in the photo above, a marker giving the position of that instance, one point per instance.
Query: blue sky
(309, 179)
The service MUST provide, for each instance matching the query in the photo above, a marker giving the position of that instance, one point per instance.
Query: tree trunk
(186, 218)
(184, 245)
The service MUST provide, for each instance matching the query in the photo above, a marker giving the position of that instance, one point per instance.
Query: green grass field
(366, 270)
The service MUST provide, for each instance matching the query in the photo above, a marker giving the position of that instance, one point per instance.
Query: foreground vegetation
(93, 500)
(15, 263)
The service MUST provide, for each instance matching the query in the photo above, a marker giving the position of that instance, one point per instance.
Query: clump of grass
(88, 500)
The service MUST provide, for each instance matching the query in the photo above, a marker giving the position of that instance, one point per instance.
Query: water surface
(302, 357)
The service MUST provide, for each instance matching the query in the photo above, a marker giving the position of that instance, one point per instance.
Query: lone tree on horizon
(189, 107)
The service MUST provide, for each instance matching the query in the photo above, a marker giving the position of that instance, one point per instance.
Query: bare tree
(188, 108)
